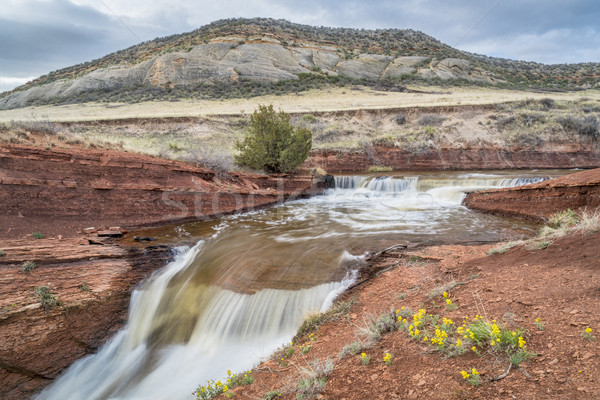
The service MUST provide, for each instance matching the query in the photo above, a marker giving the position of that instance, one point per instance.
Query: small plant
(588, 334)
(37, 235)
(502, 248)
(313, 321)
(472, 377)
(272, 394)
(387, 359)
(543, 244)
(27, 267)
(352, 348)
(2, 253)
(84, 287)
(521, 356)
(540, 324)
(314, 378)
(449, 304)
(365, 359)
(564, 218)
(47, 299)
(375, 327)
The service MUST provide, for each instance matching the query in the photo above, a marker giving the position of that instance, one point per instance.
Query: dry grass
(338, 99)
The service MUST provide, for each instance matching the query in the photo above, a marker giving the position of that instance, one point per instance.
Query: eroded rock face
(231, 58)
(439, 159)
(539, 201)
(92, 284)
(71, 189)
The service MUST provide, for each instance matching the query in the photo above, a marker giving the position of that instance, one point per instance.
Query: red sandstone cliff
(540, 200)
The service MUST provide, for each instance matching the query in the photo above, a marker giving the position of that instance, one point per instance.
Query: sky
(40, 36)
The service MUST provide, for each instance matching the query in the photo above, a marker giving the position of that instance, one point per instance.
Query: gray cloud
(38, 36)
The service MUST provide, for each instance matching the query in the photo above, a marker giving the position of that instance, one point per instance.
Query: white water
(238, 295)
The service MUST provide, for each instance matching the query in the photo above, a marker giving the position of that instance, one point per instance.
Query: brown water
(246, 285)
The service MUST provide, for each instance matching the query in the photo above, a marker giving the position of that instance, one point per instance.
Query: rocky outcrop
(538, 201)
(434, 158)
(92, 285)
(232, 58)
(63, 191)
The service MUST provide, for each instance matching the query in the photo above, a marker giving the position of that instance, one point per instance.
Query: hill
(251, 57)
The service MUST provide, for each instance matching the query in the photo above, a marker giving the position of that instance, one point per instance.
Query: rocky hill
(246, 57)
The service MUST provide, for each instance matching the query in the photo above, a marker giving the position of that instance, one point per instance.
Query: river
(244, 286)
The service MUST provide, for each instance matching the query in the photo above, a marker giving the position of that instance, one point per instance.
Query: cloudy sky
(39, 36)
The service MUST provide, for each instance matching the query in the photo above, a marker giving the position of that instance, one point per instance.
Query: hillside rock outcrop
(229, 59)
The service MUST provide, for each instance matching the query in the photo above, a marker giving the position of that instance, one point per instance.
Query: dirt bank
(439, 159)
(61, 191)
(558, 284)
(540, 200)
(92, 284)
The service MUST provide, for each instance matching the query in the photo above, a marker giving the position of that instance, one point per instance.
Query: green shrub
(2, 253)
(37, 235)
(272, 143)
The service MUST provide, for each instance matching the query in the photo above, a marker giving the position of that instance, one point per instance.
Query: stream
(244, 286)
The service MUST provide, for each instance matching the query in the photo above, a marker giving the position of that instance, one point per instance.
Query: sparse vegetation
(273, 144)
(2, 253)
(37, 235)
(27, 267)
(314, 379)
(47, 299)
(312, 322)
(379, 168)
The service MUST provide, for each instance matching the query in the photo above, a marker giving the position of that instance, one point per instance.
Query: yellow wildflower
(464, 374)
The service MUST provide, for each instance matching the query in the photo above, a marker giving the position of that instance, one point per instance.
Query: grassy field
(339, 99)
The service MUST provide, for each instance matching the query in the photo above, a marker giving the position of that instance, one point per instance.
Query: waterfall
(179, 334)
(441, 190)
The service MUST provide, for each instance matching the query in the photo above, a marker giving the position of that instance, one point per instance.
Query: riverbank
(539, 201)
(550, 293)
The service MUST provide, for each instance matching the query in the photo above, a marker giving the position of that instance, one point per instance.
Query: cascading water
(238, 295)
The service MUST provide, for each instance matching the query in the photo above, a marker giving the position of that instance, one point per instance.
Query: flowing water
(244, 287)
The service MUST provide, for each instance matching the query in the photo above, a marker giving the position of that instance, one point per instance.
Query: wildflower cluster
(477, 334)
(213, 388)
(472, 377)
(287, 352)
